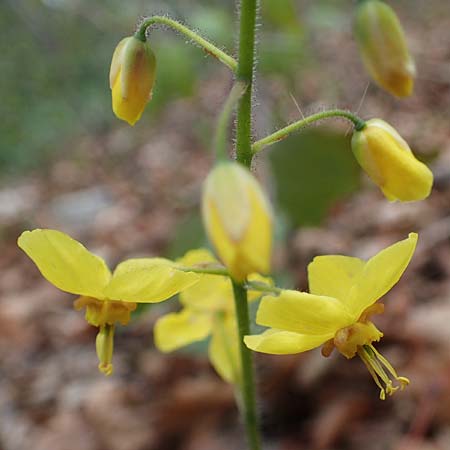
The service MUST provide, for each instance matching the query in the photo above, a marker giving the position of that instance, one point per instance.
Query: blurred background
(67, 163)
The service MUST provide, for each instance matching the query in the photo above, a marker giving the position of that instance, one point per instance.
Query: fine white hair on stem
(361, 102)
(296, 105)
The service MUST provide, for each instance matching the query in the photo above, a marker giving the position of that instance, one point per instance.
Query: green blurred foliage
(281, 51)
(55, 62)
(188, 234)
(312, 170)
(54, 86)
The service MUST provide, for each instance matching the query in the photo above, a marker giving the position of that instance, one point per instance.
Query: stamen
(402, 380)
(372, 372)
(374, 362)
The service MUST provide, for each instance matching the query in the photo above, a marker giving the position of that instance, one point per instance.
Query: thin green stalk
(286, 131)
(221, 140)
(192, 35)
(206, 270)
(245, 68)
(262, 287)
(247, 385)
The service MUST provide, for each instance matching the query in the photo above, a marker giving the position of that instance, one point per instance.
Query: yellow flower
(131, 78)
(238, 220)
(208, 310)
(390, 163)
(337, 312)
(108, 298)
(383, 47)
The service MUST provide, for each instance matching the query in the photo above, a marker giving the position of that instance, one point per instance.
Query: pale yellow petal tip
(252, 341)
(122, 115)
(27, 234)
(105, 369)
(414, 237)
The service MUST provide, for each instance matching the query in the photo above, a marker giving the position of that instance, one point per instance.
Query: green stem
(245, 68)
(206, 270)
(220, 141)
(246, 63)
(248, 383)
(262, 287)
(202, 42)
(286, 131)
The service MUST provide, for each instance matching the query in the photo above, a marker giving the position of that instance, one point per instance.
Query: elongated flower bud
(383, 47)
(238, 219)
(390, 163)
(131, 78)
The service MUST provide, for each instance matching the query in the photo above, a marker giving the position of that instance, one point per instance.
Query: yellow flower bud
(383, 47)
(238, 220)
(390, 163)
(131, 78)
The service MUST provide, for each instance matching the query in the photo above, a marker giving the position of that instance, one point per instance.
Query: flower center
(358, 339)
(102, 312)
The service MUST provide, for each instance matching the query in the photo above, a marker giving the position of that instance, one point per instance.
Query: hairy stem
(286, 131)
(246, 63)
(245, 73)
(247, 384)
(207, 46)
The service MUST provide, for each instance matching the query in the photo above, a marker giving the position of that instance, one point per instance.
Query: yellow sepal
(380, 274)
(303, 313)
(66, 263)
(148, 280)
(279, 342)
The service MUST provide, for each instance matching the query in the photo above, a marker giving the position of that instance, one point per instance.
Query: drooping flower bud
(383, 47)
(131, 78)
(390, 163)
(238, 219)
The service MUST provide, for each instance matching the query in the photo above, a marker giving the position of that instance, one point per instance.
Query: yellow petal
(303, 313)
(380, 274)
(177, 330)
(224, 349)
(148, 280)
(279, 342)
(333, 275)
(65, 262)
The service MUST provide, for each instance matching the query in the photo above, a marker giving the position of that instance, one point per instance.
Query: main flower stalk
(244, 155)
